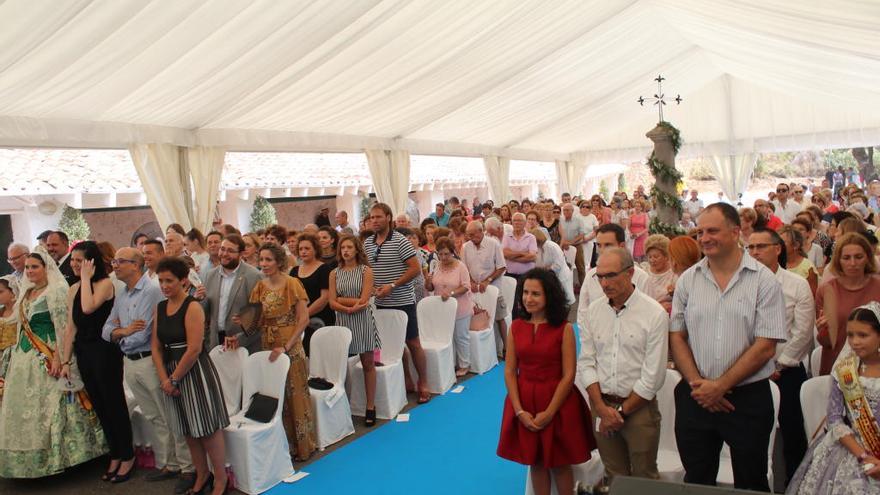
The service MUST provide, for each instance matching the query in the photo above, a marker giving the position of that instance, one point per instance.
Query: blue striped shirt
(721, 326)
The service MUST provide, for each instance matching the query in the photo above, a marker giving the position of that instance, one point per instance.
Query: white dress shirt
(788, 212)
(800, 318)
(625, 351)
(592, 291)
(227, 280)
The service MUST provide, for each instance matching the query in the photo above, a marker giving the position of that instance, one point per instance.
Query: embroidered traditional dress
(828, 467)
(8, 336)
(278, 322)
(42, 429)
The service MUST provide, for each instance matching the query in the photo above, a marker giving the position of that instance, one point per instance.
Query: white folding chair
(436, 326)
(230, 369)
(142, 431)
(484, 355)
(328, 359)
(390, 387)
(668, 461)
(814, 403)
(258, 452)
(815, 361)
(508, 292)
(725, 465)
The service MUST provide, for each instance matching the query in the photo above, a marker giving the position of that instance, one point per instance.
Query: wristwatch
(619, 410)
(393, 285)
(174, 383)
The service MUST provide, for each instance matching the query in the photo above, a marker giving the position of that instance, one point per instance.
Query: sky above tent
(529, 79)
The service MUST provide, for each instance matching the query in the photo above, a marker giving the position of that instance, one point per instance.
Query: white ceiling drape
(525, 79)
(206, 167)
(734, 173)
(159, 169)
(389, 170)
(498, 178)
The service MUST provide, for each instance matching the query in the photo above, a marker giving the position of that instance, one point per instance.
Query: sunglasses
(782, 190)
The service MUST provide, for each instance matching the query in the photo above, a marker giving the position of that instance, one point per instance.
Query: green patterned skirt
(42, 431)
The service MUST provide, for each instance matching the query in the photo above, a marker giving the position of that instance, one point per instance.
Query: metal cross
(658, 97)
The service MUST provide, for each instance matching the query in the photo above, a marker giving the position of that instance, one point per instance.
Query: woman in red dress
(546, 423)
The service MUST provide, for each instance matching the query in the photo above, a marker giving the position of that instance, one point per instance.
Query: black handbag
(318, 383)
(262, 408)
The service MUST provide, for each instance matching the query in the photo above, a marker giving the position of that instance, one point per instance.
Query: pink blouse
(451, 279)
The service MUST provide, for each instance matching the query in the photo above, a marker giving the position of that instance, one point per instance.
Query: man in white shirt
(153, 251)
(694, 205)
(484, 259)
(766, 246)
(786, 209)
(622, 365)
(609, 235)
(342, 223)
(572, 233)
(15, 256)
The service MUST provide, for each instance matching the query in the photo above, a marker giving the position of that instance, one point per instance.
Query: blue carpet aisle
(448, 446)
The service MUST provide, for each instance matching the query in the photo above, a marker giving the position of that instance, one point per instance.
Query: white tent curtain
(734, 172)
(570, 174)
(389, 170)
(498, 177)
(206, 168)
(158, 167)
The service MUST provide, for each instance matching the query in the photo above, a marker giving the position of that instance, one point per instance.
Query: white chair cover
(570, 254)
(814, 403)
(508, 292)
(259, 452)
(390, 387)
(328, 359)
(668, 460)
(230, 368)
(815, 362)
(484, 355)
(436, 325)
(725, 466)
(141, 429)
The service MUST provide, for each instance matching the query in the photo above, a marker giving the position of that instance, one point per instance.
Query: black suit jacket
(67, 271)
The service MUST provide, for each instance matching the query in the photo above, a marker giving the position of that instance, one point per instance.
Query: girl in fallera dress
(546, 423)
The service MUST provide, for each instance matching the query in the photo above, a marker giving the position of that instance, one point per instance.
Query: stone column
(664, 152)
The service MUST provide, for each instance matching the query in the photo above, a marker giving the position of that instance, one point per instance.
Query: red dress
(568, 438)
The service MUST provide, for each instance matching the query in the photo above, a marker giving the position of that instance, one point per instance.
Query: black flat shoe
(205, 489)
(370, 417)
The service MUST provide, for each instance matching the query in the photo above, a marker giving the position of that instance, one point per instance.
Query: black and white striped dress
(364, 337)
(199, 410)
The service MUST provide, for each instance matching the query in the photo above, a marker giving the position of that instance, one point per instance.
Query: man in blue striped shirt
(728, 314)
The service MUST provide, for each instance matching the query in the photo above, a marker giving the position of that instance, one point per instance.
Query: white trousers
(461, 339)
(171, 452)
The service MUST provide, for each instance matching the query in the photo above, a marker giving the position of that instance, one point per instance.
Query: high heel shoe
(122, 478)
(108, 476)
(370, 417)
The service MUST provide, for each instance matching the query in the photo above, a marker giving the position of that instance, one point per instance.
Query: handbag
(249, 317)
(480, 319)
(319, 383)
(262, 408)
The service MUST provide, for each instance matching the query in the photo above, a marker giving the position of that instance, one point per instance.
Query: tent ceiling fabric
(526, 79)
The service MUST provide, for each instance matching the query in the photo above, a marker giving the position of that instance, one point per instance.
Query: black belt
(613, 399)
(139, 355)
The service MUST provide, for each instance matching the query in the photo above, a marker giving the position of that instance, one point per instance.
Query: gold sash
(49, 354)
(847, 372)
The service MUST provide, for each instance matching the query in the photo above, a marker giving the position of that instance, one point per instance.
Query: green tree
(263, 214)
(74, 224)
(621, 182)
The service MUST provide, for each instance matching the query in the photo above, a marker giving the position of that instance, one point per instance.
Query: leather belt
(613, 399)
(139, 355)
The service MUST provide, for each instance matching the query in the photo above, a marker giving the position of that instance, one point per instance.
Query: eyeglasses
(229, 251)
(780, 190)
(16, 258)
(119, 261)
(608, 276)
(760, 246)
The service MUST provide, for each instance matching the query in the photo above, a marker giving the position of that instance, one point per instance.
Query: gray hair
(626, 259)
(18, 246)
(493, 223)
(518, 215)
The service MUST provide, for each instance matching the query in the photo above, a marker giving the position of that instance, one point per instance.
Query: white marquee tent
(500, 79)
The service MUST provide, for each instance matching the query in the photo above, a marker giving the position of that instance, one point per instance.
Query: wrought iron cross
(658, 97)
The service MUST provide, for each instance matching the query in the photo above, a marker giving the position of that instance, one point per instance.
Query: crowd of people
(739, 299)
